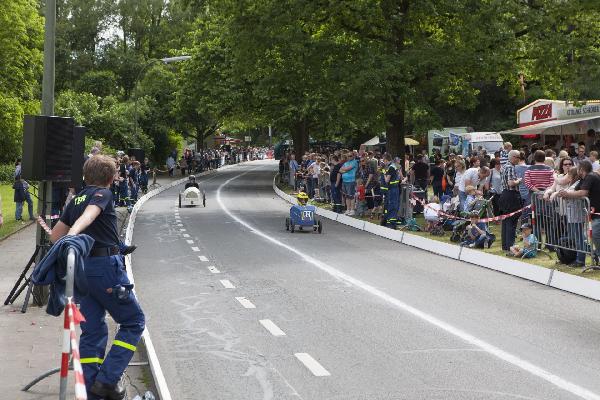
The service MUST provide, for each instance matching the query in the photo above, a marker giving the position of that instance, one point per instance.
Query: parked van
(462, 140)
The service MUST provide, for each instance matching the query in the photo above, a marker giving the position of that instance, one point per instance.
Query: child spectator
(530, 244)
(471, 197)
(478, 235)
(431, 213)
(360, 198)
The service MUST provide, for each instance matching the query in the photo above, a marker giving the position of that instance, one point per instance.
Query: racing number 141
(306, 214)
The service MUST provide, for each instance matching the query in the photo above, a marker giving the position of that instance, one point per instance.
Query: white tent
(374, 141)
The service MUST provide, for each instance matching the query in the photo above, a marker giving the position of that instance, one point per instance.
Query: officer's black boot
(110, 392)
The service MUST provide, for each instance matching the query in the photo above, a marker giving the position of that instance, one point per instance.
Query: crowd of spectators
(352, 182)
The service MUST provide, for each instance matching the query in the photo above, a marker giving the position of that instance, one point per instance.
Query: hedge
(7, 172)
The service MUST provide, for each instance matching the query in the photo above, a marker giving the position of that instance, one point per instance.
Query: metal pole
(270, 135)
(66, 349)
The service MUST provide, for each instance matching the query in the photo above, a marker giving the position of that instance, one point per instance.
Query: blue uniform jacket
(52, 270)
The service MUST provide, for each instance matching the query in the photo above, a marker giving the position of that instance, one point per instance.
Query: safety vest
(394, 180)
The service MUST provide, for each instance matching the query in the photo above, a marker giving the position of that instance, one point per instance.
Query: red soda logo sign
(541, 112)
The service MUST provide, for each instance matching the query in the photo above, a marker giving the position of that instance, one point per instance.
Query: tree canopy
(325, 69)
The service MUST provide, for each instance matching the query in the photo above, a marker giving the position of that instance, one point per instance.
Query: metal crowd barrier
(562, 224)
(405, 210)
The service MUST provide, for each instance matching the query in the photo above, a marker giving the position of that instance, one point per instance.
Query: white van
(461, 140)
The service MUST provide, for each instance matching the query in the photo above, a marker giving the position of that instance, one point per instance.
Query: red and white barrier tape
(491, 219)
(75, 317)
(44, 226)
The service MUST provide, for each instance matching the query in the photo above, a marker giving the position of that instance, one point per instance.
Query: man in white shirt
(476, 177)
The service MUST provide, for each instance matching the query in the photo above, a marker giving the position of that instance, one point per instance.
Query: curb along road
(157, 374)
(570, 283)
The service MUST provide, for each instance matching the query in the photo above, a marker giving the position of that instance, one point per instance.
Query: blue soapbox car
(303, 216)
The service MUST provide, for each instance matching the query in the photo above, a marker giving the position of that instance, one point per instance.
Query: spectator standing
(348, 172)
(460, 168)
(589, 187)
(436, 178)
(520, 170)
(539, 176)
(594, 161)
(336, 190)
(420, 173)
(22, 195)
(171, 165)
(510, 200)
(294, 167)
(580, 156)
(495, 183)
(450, 173)
(504, 153)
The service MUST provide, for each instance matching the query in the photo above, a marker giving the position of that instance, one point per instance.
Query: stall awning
(573, 126)
(372, 142)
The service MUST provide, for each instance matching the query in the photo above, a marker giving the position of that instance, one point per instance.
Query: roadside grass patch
(8, 211)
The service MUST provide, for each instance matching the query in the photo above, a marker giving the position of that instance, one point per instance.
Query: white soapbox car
(192, 197)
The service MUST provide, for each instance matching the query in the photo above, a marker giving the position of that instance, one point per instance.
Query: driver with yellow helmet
(302, 198)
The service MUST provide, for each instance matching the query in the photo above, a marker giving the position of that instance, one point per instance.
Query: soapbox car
(192, 197)
(303, 216)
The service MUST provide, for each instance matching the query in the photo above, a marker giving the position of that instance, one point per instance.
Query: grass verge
(8, 211)
(544, 259)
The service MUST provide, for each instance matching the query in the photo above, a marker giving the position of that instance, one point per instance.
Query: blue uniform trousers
(104, 276)
(392, 203)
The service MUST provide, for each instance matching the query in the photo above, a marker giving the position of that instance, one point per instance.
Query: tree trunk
(300, 138)
(395, 133)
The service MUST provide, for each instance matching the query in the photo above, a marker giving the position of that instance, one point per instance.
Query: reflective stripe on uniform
(125, 345)
(384, 188)
(394, 182)
(91, 360)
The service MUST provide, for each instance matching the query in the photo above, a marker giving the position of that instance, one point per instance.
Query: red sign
(541, 112)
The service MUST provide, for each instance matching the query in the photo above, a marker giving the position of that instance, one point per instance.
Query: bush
(7, 173)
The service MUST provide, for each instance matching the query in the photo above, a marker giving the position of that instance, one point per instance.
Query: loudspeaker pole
(48, 80)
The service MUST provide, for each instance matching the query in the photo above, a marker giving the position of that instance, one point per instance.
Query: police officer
(92, 212)
(391, 189)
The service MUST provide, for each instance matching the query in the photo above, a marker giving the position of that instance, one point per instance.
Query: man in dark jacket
(22, 195)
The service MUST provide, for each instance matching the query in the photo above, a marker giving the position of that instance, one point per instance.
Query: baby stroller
(450, 206)
(478, 208)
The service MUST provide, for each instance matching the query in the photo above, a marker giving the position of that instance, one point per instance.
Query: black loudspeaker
(137, 153)
(47, 148)
(78, 157)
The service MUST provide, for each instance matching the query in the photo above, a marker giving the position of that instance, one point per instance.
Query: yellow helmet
(302, 196)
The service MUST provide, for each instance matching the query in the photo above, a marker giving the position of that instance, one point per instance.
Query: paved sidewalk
(30, 343)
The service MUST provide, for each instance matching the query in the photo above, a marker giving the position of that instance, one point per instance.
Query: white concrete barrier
(353, 222)
(507, 265)
(576, 284)
(434, 246)
(327, 214)
(383, 231)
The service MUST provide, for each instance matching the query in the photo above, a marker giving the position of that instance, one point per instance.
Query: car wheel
(180, 200)
(204, 199)
(287, 224)
(319, 227)
(292, 227)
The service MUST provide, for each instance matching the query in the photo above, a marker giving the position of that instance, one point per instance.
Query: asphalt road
(362, 317)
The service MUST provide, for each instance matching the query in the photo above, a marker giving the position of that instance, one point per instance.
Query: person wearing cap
(530, 244)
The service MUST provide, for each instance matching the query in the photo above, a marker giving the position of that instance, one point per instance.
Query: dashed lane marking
(203, 258)
(227, 284)
(495, 351)
(179, 224)
(312, 364)
(186, 235)
(195, 249)
(271, 327)
(214, 269)
(182, 230)
(190, 242)
(245, 302)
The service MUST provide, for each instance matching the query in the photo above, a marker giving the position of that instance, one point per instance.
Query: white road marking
(214, 269)
(203, 258)
(182, 230)
(227, 284)
(245, 302)
(186, 235)
(195, 249)
(312, 364)
(179, 224)
(271, 327)
(190, 242)
(457, 332)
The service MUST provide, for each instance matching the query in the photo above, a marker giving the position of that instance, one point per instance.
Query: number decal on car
(307, 214)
